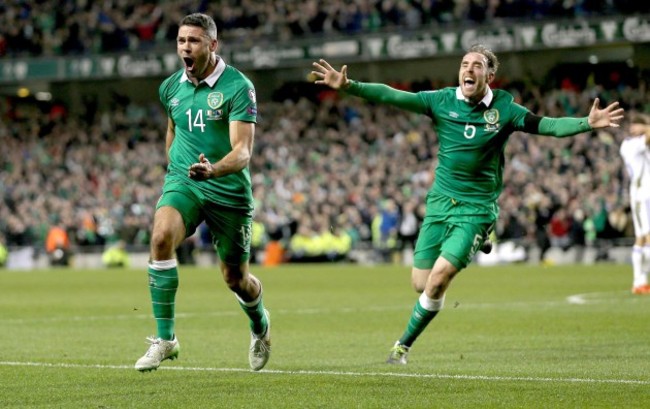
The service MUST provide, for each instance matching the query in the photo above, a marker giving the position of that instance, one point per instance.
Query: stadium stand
(336, 159)
(54, 27)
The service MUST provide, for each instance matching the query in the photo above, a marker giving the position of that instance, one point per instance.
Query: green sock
(420, 318)
(163, 284)
(255, 311)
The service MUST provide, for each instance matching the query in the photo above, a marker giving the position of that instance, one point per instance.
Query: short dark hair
(203, 21)
(492, 60)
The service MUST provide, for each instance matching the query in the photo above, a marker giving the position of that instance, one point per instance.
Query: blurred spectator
(258, 240)
(409, 226)
(560, 229)
(543, 215)
(4, 253)
(312, 164)
(57, 245)
(116, 255)
(578, 234)
(185, 252)
(388, 229)
(50, 27)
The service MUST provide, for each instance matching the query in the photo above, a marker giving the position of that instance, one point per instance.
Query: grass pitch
(509, 336)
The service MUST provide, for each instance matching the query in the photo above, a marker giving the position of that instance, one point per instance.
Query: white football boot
(260, 348)
(159, 350)
(398, 354)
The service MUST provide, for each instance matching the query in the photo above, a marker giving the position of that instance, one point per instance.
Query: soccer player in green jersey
(473, 123)
(212, 112)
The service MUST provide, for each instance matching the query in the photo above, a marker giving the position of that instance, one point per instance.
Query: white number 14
(198, 120)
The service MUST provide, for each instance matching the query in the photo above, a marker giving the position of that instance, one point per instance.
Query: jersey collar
(487, 99)
(212, 78)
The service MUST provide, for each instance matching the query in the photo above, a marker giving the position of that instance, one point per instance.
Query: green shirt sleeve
(387, 95)
(561, 127)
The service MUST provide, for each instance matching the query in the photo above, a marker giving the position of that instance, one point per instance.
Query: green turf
(508, 337)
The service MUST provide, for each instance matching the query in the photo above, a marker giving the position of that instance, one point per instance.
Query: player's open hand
(202, 170)
(608, 116)
(329, 76)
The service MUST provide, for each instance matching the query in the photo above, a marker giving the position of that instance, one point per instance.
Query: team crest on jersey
(215, 99)
(491, 116)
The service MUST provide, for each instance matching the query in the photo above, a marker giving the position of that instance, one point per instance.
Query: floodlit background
(545, 320)
(82, 129)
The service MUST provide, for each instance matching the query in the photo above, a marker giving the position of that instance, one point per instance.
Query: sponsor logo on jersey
(453, 114)
(252, 110)
(174, 102)
(215, 99)
(251, 96)
(214, 114)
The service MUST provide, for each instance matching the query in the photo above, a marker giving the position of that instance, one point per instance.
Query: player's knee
(234, 284)
(419, 277)
(162, 245)
(418, 286)
(233, 277)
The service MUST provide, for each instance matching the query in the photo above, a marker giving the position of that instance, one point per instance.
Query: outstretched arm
(566, 126)
(381, 93)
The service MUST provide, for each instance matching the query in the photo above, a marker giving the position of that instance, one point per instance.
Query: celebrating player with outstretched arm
(473, 123)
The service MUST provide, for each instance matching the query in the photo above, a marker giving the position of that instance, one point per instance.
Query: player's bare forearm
(233, 162)
(241, 140)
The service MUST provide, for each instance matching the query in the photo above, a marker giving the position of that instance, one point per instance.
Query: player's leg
(232, 234)
(431, 300)
(646, 263)
(169, 230)
(457, 245)
(427, 250)
(645, 249)
(641, 248)
(249, 292)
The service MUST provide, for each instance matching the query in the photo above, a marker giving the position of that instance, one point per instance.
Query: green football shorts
(454, 230)
(230, 228)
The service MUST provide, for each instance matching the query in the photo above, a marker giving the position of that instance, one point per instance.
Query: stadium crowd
(72, 27)
(327, 166)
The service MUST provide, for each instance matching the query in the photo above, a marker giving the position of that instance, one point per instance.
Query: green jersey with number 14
(201, 115)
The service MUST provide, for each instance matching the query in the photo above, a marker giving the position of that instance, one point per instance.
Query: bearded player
(473, 123)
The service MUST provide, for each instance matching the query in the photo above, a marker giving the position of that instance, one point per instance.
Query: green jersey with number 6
(201, 115)
(472, 140)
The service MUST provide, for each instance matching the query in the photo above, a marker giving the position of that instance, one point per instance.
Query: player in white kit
(635, 151)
